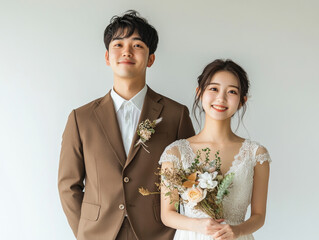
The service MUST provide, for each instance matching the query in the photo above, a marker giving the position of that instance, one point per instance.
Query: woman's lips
(219, 108)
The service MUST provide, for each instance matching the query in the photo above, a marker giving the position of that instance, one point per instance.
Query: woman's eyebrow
(228, 85)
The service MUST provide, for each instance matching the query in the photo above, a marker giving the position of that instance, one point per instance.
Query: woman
(222, 90)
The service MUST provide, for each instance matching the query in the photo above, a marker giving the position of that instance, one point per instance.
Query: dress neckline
(235, 160)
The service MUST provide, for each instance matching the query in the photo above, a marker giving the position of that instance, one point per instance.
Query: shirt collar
(137, 100)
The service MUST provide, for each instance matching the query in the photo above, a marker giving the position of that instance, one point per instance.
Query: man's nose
(127, 52)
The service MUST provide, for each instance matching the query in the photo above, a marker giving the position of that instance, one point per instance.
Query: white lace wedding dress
(238, 200)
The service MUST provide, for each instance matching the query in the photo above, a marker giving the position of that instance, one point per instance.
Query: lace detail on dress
(169, 155)
(261, 158)
(238, 158)
(168, 158)
(178, 152)
(239, 197)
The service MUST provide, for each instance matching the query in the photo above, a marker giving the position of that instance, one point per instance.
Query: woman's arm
(173, 219)
(258, 205)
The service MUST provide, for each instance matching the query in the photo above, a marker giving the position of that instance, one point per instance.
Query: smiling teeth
(219, 108)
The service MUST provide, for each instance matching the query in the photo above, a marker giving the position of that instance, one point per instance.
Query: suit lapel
(106, 116)
(151, 110)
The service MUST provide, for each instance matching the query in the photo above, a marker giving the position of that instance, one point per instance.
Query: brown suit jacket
(92, 152)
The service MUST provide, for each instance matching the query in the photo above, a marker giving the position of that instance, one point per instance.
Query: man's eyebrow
(121, 38)
(228, 85)
(117, 38)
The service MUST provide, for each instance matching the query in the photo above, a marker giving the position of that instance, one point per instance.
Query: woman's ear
(197, 91)
(240, 104)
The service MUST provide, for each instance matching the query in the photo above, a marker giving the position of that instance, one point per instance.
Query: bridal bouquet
(202, 185)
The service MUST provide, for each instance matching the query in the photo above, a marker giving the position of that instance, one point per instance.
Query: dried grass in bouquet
(202, 185)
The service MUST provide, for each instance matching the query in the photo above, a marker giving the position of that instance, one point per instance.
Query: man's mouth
(126, 62)
(219, 108)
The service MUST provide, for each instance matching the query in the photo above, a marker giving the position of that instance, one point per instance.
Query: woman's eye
(213, 89)
(232, 92)
(117, 45)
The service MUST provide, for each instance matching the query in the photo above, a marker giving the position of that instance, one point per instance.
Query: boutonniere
(145, 130)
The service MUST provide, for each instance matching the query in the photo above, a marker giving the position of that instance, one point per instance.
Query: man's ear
(151, 59)
(107, 58)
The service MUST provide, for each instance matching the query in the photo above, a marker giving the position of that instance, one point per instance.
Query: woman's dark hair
(128, 23)
(205, 78)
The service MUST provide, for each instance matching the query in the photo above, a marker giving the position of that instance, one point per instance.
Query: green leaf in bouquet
(168, 194)
(194, 165)
(176, 205)
(223, 187)
(217, 162)
(207, 153)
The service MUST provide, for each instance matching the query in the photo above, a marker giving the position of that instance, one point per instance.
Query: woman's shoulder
(259, 151)
(176, 145)
(172, 153)
(256, 145)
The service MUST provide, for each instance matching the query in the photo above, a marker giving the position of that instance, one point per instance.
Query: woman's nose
(221, 96)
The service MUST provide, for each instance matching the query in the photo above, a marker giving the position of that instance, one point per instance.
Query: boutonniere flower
(145, 130)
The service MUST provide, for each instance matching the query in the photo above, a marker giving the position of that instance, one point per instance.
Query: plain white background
(52, 61)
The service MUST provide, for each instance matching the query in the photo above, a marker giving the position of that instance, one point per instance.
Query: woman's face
(221, 98)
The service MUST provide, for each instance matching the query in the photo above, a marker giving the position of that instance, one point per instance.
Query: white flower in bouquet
(209, 169)
(194, 195)
(206, 180)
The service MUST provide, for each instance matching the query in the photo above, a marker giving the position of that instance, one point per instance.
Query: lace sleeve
(170, 154)
(262, 155)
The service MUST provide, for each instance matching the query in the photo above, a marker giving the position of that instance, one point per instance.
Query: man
(99, 144)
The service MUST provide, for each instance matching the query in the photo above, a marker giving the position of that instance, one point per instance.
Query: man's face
(129, 57)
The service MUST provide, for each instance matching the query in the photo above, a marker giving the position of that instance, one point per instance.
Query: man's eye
(232, 92)
(117, 45)
(138, 45)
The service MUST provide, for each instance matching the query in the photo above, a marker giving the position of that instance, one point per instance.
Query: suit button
(126, 179)
(121, 206)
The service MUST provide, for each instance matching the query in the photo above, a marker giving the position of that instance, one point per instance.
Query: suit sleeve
(185, 128)
(71, 173)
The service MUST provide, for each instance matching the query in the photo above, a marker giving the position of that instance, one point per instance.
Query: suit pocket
(157, 212)
(90, 211)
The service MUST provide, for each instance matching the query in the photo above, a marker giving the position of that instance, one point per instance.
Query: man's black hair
(127, 24)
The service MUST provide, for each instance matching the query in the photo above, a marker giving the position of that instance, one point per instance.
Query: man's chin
(129, 75)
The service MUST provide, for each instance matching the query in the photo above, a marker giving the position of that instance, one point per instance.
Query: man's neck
(128, 89)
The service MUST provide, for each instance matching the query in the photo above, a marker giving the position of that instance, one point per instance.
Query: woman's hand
(227, 232)
(207, 226)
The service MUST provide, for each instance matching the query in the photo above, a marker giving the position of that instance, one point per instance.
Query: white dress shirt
(128, 113)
